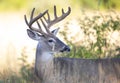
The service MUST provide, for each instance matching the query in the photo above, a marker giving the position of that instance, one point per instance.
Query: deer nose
(66, 48)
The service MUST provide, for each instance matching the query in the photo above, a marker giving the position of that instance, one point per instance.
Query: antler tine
(40, 29)
(55, 12)
(47, 29)
(26, 20)
(48, 21)
(56, 18)
(32, 20)
(37, 17)
(31, 17)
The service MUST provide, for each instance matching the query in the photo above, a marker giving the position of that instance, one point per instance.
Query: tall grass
(24, 75)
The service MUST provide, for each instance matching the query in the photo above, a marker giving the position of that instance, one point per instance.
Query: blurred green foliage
(100, 4)
(81, 4)
(26, 70)
(6, 5)
(25, 75)
(102, 47)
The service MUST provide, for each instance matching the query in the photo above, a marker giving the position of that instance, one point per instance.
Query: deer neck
(43, 61)
(43, 54)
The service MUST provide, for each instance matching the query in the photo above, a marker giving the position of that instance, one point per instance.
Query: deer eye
(50, 40)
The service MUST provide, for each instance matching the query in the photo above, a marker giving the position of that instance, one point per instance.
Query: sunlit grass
(20, 71)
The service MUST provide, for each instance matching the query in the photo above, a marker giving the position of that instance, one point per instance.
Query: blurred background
(92, 30)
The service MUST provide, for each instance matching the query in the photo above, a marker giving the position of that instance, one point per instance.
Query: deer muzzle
(65, 49)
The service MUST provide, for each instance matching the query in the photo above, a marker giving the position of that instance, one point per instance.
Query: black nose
(66, 48)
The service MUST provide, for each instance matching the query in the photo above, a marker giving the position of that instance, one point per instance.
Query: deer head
(47, 39)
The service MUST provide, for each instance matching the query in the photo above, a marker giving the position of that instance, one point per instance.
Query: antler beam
(56, 18)
(48, 21)
(32, 20)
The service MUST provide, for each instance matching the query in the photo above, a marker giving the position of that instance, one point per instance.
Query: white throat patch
(46, 56)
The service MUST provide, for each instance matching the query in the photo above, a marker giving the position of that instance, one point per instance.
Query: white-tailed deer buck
(50, 69)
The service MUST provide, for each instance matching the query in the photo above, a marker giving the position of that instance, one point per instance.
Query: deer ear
(33, 35)
(55, 31)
